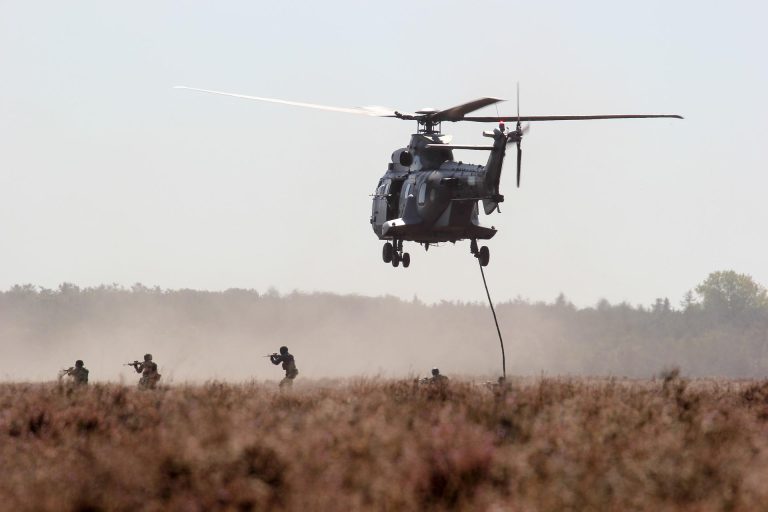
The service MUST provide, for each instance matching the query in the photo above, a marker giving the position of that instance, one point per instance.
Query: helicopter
(426, 196)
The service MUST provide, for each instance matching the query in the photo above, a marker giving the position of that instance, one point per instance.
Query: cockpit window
(383, 188)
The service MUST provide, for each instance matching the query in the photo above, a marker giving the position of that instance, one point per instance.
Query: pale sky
(109, 175)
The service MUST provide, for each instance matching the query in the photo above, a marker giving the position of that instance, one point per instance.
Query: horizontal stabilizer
(460, 146)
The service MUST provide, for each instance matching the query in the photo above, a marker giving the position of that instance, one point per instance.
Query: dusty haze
(198, 335)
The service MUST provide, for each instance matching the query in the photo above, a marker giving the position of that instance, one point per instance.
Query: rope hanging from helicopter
(496, 321)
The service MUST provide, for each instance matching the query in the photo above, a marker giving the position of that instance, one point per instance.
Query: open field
(544, 444)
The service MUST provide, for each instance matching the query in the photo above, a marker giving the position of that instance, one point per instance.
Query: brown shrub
(544, 444)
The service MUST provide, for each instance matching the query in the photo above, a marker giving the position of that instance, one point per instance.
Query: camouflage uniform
(148, 371)
(78, 373)
(289, 365)
(437, 377)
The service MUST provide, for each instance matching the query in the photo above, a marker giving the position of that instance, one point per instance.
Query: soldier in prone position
(289, 365)
(148, 371)
(78, 373)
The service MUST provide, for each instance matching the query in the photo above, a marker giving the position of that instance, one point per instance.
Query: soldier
(79, 373)
(289, 365)
(148, 371)
(437, 377)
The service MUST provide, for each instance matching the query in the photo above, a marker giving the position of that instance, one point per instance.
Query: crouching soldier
(78, 374)
(289, 365)
(148, 371)
(437, 378)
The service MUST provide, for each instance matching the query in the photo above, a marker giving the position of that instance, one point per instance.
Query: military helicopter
(426, 196)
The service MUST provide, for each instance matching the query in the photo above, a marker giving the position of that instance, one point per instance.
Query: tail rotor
(519, 131)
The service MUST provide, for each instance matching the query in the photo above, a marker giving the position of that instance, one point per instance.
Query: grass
(546, 444)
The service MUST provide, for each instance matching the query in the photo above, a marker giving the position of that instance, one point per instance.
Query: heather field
(541, 444)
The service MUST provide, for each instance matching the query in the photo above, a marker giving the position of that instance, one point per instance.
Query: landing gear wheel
(395, 259)
(386, 252)
(406, 260)
(484, 256)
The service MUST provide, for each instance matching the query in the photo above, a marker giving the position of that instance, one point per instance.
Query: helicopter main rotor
(432, 117)
(429, 121)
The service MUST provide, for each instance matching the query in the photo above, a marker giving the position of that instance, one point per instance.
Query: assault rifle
(65, 372)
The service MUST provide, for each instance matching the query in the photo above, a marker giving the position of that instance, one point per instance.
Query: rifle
(270, 355)
(132, 364)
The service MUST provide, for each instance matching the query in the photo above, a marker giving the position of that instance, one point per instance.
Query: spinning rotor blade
(567, 118)
(457, 113)
(520, 137)
(367, 111)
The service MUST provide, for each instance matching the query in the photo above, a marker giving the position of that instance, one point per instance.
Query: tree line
(719, 328)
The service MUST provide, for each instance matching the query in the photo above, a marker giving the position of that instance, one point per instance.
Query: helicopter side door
(393, 198)
(380, 207)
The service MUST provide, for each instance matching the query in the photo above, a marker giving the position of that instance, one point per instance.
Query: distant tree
(562, 302)
(661, 306)
(689, 302)
(69, 289)
(727, 293)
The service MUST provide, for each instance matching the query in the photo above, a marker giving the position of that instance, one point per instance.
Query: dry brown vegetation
(543, 444)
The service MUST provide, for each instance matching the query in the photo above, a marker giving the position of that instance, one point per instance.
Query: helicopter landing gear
(483, 254)
(386, 252)
(393, 253)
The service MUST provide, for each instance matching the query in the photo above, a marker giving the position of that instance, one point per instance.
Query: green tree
(729, 294)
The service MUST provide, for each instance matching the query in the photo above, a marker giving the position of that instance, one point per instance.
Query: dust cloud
(197, 336)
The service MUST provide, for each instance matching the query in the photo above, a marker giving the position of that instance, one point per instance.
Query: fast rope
(496, 321)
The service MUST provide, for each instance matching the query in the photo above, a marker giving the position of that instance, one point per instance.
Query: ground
(542, 444)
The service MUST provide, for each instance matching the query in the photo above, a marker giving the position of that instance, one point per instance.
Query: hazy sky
(109, 175)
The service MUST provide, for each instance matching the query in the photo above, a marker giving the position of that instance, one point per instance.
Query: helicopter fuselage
(428, 197)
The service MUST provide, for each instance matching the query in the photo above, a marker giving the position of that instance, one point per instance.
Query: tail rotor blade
(519, 161)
